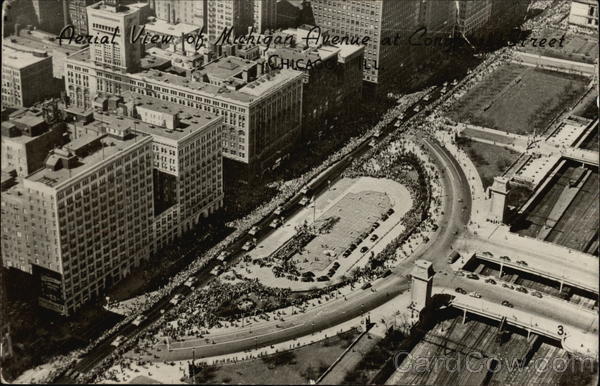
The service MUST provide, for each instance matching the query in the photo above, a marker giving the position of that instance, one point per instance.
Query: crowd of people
(198, 311)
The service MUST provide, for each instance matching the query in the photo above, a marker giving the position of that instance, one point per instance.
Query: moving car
(248, 245)
(118, 341)
(137, 321)
(506, 303)
(461, 291)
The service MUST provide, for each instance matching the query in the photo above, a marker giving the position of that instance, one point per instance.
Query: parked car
(222, 256)
(254, 230)
(472, 276)
(506, 303)
(453, 257)
(278, 210)
(248, 245)
(364, 249)
(305, 200)
(346, 253)
(384, 217)
(308, 273)
(390, 211)
(522, 289)
(387, 273)
(537, 294)
(374, 237)
(475, 295)
(365, 286)
(307, 279)
(505, 285)
(521, 262)
(506, 258)
(461, 291)
(323, 278)
(426, 98)
(490, 281)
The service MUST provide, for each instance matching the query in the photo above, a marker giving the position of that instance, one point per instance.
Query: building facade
(74, 225)
(472, 15)
(181, 11)
(264, 15)
(25, 77)
(379, 20)
(78, 14)
(115, 21)
(187, 160)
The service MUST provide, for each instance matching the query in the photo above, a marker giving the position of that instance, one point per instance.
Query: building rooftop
(247, 94)
(110, 146)
(226, 68)
(39, 41)
(190, 120)
(158, 26)
(121, 9)
(19, 59)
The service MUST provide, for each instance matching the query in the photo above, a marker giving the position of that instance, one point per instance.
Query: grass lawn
(576, 47)
(490, 160)
(290, 367)
(518, 99)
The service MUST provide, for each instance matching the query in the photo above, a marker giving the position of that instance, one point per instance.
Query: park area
(519, 99)
(575, 47)
(489, 160)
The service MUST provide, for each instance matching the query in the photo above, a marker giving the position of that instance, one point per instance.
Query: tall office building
(264, 15)
(224, 15)
(379, 20)
(112, 19)
(82, 222)
(472, 15)
(188, 166)
(439, 17)
(191, 12)
(78, 14)
(25, 77)
(50, 14)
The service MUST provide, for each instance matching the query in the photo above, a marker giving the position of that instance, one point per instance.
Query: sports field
(576, 47)
(519, 99)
